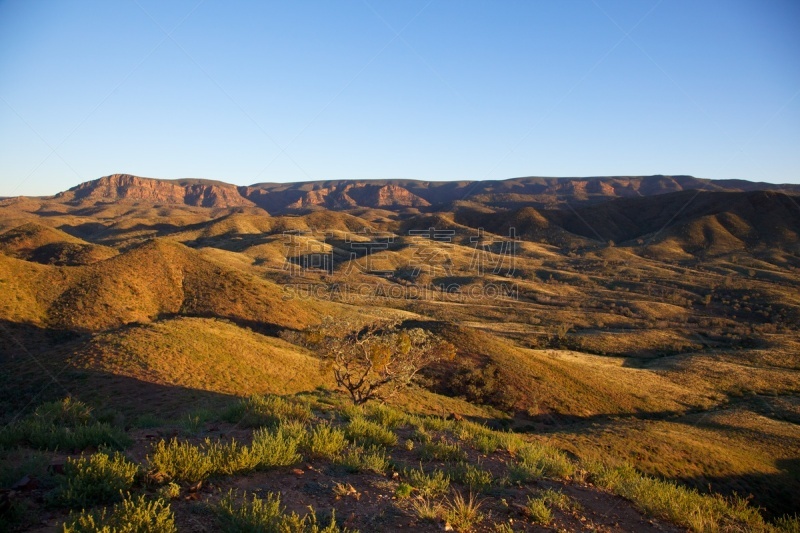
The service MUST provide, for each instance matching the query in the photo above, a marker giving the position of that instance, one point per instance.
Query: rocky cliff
(397, 194)
(124, 187)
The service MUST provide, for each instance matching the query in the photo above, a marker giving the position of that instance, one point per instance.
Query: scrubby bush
(99, 478)
(325, 442)
(442, 451)
(267, 410)
(132, 515)
(463, 513)
(482, 386)
(232, 457)
(387, 416)
(358, 459)
(266, 515)
(681, 505)
(433, 484)
(179, 461)
(473, 476)
(366, 433)
(539, 511)
(62, 425)
(277, 448)
(534, 461)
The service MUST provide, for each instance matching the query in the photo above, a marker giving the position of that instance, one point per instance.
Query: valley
(644, 322)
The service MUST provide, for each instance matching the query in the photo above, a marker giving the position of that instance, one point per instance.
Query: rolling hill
(647, 319)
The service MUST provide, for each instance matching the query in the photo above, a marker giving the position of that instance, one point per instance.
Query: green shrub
(148, 420)
(433, 484)
(96, 479)
(276, 448)
(558, 499)
(520, 472)
(386, 416)
(421, 435)
(43, 435)
(442, 451)
(511, 442)
(683, 506)
(463, 513)
(128, 516)
(435, 423)
(358, 459)
(183, 461)
(403, 490)
(67, 412)
(266, 515)
(231, 457)
(539, 511)
(535, 461)
(788, 524)
(62, 425)
(474, 477)
(486, 442)
(179, 461)
(366, 433)
(20, 462)
(267, 411)
(325, 442)
(293, 429)
(170, 491)
(350, 411)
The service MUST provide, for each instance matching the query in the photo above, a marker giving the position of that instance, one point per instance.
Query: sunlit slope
(158, 278)
(206, 354)
(570, 384)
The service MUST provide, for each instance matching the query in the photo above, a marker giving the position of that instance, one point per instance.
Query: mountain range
(279, 198)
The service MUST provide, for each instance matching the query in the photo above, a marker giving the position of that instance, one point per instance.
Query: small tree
(376, 360)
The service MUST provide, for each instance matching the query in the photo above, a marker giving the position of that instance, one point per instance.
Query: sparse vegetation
(279, 447)
(675, 351)
(325, 442)
(375, 360)
(366, 433)
(268, 411)
(62, 425)
(428, 484)
(475, 478)
(267, 515)
(683, 506)
(358, 459)
(463, 513)
(131, 514)
(442, 450)
(179, 461)
(99, 478)
(539, 511)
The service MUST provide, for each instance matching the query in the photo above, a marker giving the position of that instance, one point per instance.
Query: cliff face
(350, 195)
(397, 194)
(124, 187)
(393, 196)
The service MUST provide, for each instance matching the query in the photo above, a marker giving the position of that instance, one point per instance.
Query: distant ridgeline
(279, 198)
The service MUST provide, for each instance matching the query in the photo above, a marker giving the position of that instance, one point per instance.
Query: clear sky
(248, 92)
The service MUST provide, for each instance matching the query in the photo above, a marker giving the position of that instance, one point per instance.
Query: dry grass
(206, 354)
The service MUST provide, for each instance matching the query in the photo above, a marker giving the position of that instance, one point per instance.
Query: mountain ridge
(395, 194)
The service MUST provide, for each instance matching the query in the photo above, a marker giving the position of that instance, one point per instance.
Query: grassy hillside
(205, 354)
(673, 348)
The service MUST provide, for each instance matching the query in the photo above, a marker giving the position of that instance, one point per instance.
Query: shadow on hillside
(565, 423)
(36, 367)
(778, 494)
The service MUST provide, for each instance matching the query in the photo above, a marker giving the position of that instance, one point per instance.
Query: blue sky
(248, 92)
